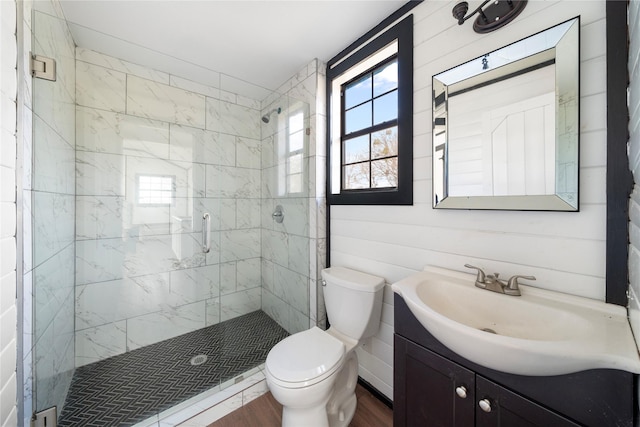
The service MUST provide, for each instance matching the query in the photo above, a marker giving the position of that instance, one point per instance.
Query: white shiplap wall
(565, 251)
(8, 311)
(634, 159)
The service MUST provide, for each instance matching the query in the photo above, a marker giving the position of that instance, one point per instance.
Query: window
(156, 190)
(370, 125)
(292, 143)
(369, 137)
(295, 153)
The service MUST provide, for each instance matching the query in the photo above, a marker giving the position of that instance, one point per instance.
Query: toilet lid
(305, 356)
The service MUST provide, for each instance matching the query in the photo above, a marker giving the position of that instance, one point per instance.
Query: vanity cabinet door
(497, 406)
(430, 390)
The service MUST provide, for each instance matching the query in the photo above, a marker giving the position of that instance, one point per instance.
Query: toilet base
(343, 402)
(306, 406)
(343, 417)
(337, 410)
(311, 417)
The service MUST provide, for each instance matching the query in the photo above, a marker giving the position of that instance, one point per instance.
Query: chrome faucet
(492, 282)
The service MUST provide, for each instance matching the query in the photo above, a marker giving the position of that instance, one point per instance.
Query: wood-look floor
(265, 411)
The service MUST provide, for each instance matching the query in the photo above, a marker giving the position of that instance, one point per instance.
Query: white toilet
(313, 374)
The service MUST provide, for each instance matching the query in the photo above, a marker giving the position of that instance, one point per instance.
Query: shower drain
(198, 360)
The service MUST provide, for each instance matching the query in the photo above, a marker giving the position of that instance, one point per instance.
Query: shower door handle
(206, 233)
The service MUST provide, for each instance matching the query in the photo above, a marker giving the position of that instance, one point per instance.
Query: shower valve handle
(278, 214)
(206, 233)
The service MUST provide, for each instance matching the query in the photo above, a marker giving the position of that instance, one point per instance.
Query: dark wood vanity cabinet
(439, 392)
(511, 409)
(435, 387)
(428, 396)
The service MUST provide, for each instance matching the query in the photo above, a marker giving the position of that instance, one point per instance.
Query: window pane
(295, 164)
(296, 122)
(356, 176)
(384, 143)
(296, 141)
(358, 118)
(384, 173)
(357, 92)
(356, 149)
(385, 79)
(385, 108)
(295, 183)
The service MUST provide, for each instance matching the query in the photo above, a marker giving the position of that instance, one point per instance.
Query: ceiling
(261, 42)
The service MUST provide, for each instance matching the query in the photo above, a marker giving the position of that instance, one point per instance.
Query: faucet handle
(481, 276)
(513, 287)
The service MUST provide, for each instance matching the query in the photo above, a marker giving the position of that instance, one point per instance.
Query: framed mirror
(506, 126)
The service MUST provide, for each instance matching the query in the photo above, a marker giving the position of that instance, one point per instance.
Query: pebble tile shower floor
(129, 388)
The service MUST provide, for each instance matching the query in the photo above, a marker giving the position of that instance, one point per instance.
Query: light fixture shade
(497, 15)
(459, 11)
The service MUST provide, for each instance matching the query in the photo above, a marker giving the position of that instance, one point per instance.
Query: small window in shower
(295, 153)
(155, 190)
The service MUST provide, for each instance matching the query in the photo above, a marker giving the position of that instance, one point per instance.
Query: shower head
(267, 116)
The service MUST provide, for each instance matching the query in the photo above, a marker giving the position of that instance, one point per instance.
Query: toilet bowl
(313, 373)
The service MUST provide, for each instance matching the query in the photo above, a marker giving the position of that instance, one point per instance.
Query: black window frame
(402, 32)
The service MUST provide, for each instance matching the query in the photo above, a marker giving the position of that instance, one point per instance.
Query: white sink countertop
(538, 333)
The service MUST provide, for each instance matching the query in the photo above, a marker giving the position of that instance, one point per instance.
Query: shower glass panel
(153, 236)
(49, 259)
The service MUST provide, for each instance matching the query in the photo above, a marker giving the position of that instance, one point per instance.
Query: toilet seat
(305, 358)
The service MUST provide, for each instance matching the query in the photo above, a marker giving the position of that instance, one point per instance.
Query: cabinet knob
(485, 405)
(461, 391)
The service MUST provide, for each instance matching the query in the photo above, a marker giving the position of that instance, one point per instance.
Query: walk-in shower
(128, 160)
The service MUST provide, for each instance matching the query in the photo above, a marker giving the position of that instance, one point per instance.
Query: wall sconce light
(498, 14)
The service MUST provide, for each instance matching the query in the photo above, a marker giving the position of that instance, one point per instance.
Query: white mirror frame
(560, 45)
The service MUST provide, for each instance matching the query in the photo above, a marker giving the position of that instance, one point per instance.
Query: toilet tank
(353, 300)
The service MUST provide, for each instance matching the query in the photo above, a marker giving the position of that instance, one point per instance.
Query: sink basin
(539, 333)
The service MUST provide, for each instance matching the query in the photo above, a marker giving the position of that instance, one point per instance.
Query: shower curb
(213, 404)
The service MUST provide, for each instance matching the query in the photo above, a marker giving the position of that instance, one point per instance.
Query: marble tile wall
(48, 211)
(141, 274)
(293, 252)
